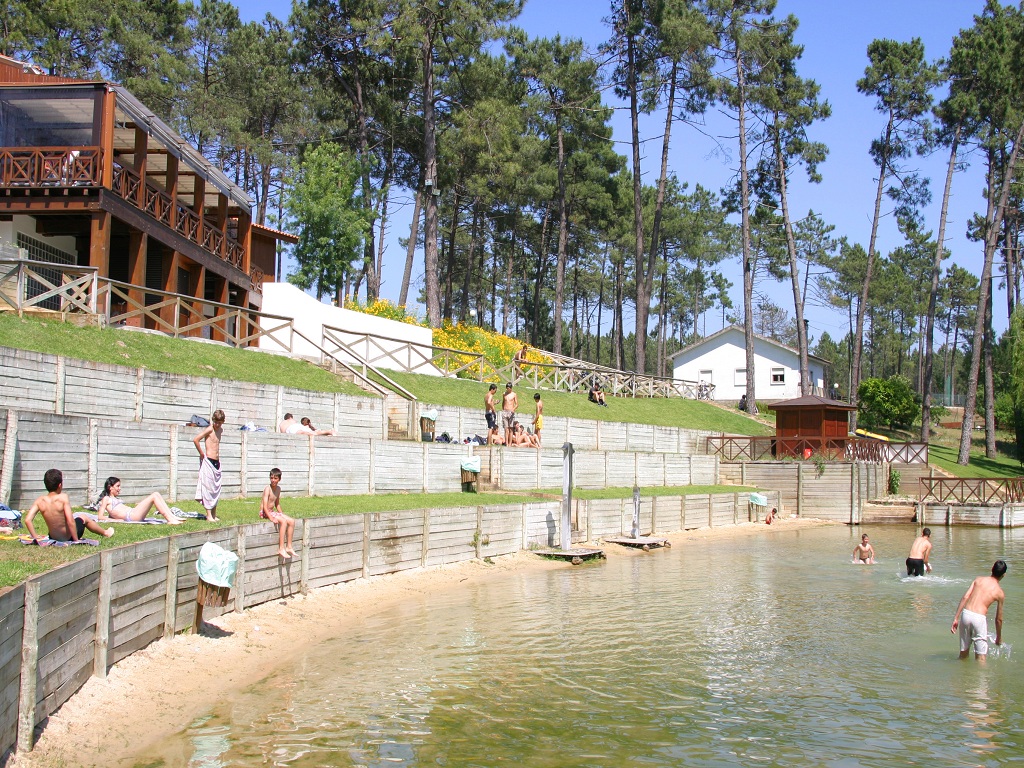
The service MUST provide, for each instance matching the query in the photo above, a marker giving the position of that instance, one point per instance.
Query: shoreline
(238, 649)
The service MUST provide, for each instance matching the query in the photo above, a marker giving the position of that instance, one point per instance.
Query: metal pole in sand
(635, 532)
(567, 452)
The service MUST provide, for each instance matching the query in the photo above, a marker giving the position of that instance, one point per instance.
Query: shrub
(1004, 408)
(887, 401)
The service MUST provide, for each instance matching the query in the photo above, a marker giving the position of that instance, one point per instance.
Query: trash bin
(426, 429)
(216, 567)
(470, 474)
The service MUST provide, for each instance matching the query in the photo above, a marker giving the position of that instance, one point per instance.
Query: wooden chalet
(812, 416)
(90, 177)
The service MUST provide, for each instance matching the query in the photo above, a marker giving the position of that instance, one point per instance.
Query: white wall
(26, 225)
(727, 354)
(310, 316)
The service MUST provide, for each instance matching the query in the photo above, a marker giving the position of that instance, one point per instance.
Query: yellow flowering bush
(384, 308)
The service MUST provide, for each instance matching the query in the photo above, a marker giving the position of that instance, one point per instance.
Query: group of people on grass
(514, 432)
(971, 616)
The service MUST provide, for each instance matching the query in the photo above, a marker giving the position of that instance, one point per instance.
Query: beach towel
(48, 542)
(145, 521)
(208, 487)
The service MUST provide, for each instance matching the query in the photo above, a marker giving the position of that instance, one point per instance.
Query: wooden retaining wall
(837, 492)
(61, 627)
(150, 457)
(35, 381)
(1010, 515)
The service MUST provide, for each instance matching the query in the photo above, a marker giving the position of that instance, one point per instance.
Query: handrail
(760, 448)
(368, 381)
(971, 490)
(70, 166)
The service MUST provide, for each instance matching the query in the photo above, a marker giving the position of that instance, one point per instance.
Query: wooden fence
(61, 627)
(835, 492)
(161, 457)
(41, 382)
(971, 490)
(745, 448)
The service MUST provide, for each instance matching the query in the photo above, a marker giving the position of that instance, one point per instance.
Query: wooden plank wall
(66, 386)
(12, 622)
(89, 614)
(46, 441)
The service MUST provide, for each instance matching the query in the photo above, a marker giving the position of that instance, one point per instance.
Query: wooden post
(311, 463)
(140, 393)
(7, 465)
(366, 545)
(240, 572)
(58, 387)
(99, 242)
(735, 509)
(101, 643)
(371, 483)
(305, 554)
(92, 460)
(171, 588)
(799, 488)
(172, 461)
(478, 539)
(711, 512)
(426, 538)
(29, 668)
(426, 467)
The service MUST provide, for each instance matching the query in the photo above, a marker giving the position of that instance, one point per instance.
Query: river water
(768, 650)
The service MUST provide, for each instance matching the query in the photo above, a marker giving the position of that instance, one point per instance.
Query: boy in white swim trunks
(971, 614)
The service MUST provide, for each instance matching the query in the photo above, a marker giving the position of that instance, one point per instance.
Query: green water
(759, 651)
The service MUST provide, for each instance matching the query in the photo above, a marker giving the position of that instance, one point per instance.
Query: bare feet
(291, 552)
(283, 554)
(175, 521)
(108, 532)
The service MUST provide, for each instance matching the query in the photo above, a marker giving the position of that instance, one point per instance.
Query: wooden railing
(971, 490)
(185, 221)
(34, 285)
(746, 448)
(49, 166)
(563, 375)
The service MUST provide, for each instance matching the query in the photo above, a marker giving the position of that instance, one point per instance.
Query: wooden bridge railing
(971, 490)
(746, 448)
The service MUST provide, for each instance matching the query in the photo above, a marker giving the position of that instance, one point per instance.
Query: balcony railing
(971, 490)
(49, 167)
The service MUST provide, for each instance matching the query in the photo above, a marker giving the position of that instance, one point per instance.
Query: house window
(778, 376)
(705, 376)
(741, 377)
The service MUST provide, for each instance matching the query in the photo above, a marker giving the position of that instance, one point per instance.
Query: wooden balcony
(48, 168)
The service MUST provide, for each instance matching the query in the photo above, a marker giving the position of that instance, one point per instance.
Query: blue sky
(835, 36)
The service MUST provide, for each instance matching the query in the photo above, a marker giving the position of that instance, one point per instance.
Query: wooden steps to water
(880, 511)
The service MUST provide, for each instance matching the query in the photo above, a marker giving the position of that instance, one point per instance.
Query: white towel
(208, 487)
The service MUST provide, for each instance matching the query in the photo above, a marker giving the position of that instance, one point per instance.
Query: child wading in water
(208, 487)
(270, 509)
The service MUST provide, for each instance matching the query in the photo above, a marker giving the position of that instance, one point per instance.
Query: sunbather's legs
(153, 500)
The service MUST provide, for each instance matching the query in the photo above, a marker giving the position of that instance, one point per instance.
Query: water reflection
(771, 650)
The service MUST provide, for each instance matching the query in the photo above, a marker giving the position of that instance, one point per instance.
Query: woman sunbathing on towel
(112, 508)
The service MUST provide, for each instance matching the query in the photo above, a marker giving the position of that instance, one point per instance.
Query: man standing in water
(971, 615)
(918, 563)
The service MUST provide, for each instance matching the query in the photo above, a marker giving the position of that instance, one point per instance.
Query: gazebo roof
(812, 401)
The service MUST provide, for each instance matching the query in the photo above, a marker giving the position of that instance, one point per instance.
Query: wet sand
(160, 689)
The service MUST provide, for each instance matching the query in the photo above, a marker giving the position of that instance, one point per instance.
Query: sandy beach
(160, 689)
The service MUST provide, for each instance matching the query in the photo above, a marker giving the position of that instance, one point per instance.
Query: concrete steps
(881, 511)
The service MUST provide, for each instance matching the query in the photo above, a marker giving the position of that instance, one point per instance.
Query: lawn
(666, 412)
(157, 352)
(18, 561)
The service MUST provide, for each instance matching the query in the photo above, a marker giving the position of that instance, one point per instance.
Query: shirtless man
(55, 507)
(538, 419)
(509, 404)
(864, 553)
(491, 414)
(918, 563)
(208, 486)
(971, 614)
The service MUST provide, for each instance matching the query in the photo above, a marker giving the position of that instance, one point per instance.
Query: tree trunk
(994, 221)
(794, 269)
(430, 273)
(858, 338)
(410, 249)
(990, 395)
(563, 240)
(748, 261)
(638, 217)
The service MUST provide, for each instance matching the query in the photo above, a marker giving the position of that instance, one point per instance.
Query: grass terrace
(157, 352)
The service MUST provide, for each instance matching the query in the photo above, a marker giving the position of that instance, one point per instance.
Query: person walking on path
(971, 616)
(917, 563)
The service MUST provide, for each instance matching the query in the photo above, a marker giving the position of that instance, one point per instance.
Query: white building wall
(723, 361)
(27, 226)
(310, 316)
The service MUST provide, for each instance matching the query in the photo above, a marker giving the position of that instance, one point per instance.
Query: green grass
(666, 412)
(18, 562)
(162, 353)
(979, 465)
(647, 492)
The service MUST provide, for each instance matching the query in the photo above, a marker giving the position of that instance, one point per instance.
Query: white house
(720, 359)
